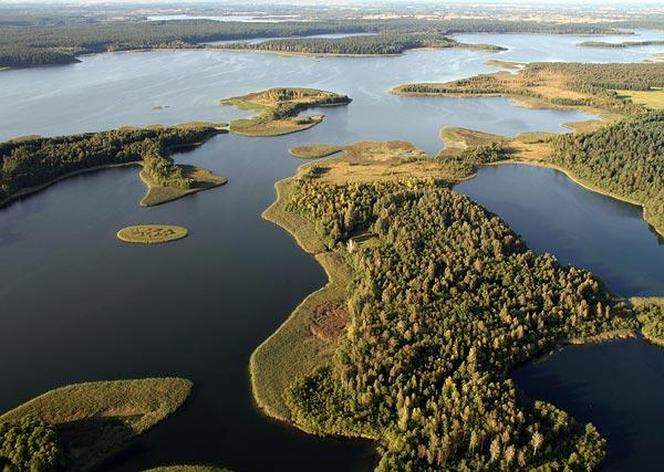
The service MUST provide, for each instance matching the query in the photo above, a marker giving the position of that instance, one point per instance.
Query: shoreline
(38, 188)
(578, 181)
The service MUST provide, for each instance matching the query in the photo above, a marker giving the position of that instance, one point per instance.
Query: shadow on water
(617, 385)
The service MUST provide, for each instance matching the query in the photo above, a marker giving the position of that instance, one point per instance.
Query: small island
(151, 234)
(78, 426)
(278, 110)
(621, 45)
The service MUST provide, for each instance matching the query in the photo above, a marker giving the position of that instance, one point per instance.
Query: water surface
(79, 305)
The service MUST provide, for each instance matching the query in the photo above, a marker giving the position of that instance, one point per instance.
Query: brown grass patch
(328, 321)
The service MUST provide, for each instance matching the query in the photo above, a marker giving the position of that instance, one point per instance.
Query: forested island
(78, 426)
(31, 163)
(621, 45)
(378, 44)
(44, 45)
(278, 108)
(446, 300)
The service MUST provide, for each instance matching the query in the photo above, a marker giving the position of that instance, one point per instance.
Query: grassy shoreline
(95, 420)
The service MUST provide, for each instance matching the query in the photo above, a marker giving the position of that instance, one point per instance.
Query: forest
(625, 159)
(36, 45)
(29, 444)
(35, 161)
(385, 43)
(621, 45)
(446, 301)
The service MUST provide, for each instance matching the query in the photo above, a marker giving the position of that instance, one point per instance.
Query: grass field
(653, 99)
(151, 234)
(314, 151)
(95, 420)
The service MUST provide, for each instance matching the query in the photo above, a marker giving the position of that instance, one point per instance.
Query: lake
(79, 305)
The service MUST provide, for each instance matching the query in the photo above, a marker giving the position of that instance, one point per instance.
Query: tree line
(34, 45)
(625, 159)
(446, 301)
(34, 161)
(386, 43)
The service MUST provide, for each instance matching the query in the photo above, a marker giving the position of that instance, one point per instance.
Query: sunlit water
(79, 305)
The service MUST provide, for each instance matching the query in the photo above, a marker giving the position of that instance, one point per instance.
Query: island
(32, 163)
(620, 156)
(78, 426)
(621, 45)
(431, 302)
(384, 44)
(278, 109)
(151, 234)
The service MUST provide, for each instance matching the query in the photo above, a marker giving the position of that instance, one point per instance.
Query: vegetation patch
(388, 43)
(621, 157)
(650, 313)
(151, 234)
(195, 180)
(446, 300)
(621, 45)
(278, 110)
(653, 99)
(589, 86)
(30, 164)
(78, 426)
(314, 151)
(329, 321)
(505, 64)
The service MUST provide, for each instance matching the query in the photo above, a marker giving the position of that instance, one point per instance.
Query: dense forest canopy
(625, 159)
(47, 42)
(384, 43)
(446, 301)
(29, 444)
(34, 161)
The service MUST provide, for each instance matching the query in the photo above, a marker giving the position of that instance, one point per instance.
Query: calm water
(618, 386)
(579, 227)
(79, 305)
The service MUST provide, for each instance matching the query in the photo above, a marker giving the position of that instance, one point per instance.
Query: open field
(97, 419)
(653, 99)
(278, 108)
